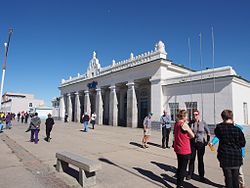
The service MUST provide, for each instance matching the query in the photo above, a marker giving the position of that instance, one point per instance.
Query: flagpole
(6, 46)
(201, 81)
(213, 61)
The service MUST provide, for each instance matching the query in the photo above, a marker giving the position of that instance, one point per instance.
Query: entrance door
(144, 112)
(245, 110)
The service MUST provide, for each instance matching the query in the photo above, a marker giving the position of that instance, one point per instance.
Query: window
(191, 106)
(174, 107)
(30, 105)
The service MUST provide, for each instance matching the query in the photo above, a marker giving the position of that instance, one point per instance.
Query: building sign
(92, 85)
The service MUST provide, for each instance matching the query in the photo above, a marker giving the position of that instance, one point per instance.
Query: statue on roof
(160, 47)
(94, 67)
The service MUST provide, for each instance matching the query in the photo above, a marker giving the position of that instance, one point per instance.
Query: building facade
(123, 93)
(18, 102)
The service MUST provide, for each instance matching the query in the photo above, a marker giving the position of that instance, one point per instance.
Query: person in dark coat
(49, 125)
(26, 116)
(66, 118)
(229, 151)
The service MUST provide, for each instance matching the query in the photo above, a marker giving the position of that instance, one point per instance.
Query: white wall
(185, 92)
(22, 104)
(241, 94)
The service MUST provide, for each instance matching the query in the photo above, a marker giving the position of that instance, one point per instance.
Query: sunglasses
(196, 114)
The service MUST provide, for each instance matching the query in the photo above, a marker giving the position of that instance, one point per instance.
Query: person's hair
(226, 115)
(182, 114)
(197, 111)
(36, 114)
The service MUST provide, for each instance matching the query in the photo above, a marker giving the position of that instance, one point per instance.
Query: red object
(181, 140)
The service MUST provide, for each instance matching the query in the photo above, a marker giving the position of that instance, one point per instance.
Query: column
(70, 111)
(132, 109)
(62, 107)
(99, 107)
(113, 107)
(77, 108)
(87, 102)
(156, 100)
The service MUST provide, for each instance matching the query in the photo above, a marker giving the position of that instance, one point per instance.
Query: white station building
(123, 93)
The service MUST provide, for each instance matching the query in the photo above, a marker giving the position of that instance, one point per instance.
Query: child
(241, 175)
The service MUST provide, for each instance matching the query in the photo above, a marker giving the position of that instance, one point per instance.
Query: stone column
(70, 111)
(99, 107)
(132, 109)
(156, 100)
(113, 107)
(62, 108)
(87, 104)
(77, 108)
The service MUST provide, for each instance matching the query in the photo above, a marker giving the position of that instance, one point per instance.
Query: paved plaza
(124, 163)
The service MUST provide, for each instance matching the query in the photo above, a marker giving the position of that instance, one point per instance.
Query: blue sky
(54, 39)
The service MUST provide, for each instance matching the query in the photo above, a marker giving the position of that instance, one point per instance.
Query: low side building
(123, 93)
(18, 102)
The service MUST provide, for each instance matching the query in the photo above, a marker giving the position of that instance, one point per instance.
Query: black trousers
(231, 177)
(199, 150)
(48, 130)
(181, 169)
(165, 136)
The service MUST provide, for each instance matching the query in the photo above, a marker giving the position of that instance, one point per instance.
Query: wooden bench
(87, 168)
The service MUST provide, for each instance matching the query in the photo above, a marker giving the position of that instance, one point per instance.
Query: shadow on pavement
(173, 169)
(152, 176)
(71, 171)
(165, 167)
(104, 160)
(173, 180)
(136, 144)
(154, 144)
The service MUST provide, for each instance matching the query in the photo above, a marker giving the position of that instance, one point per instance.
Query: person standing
(22, 116)
(93, 120)
(35, 123)
(232, 140)
(241, 174)
(8, 120)
(85, 119)
(182, 147)
(146, 130)
(26, 116)
(66, 118)
(49, 125)
(166, 129)
(198, 145)
(18, 116)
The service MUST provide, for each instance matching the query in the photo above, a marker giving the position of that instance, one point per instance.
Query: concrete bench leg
(86, 178)
(61, 165)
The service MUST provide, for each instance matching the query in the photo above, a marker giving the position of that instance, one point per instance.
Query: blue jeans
(86, 126)
(7, 125)
(34, 132)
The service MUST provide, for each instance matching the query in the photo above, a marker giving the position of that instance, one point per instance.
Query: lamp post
(6, 46)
